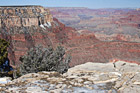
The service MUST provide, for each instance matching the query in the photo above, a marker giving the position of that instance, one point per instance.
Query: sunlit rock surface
(115, 77)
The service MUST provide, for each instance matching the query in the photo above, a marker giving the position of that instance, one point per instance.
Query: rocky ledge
(118, 77)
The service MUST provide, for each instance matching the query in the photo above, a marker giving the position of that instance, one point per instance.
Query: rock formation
(104, 34)
(24, 16)
(87, 48)
(27, 26)
(118, 77)
(102, 22)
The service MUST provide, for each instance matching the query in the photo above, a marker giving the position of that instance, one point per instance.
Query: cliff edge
(27, 26)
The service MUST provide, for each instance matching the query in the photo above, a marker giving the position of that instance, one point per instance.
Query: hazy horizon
(93, 4)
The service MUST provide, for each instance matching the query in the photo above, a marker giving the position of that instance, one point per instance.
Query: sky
(94, 4)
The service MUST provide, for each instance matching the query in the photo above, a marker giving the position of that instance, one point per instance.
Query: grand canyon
(107, 24)
(104, 45)
(111, 33)
(89, 35)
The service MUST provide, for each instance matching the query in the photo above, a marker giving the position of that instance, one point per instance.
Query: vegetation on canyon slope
(3, 50)
(37, 59)
(44, 59)
(5, 68)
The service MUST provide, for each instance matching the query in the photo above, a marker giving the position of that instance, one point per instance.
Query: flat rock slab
(5, 80)
(91, 77)
(101, 67)
(127, 67)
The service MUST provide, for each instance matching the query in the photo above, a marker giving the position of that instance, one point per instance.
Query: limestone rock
(89, 66)
(80, 78)
(33, 90)
(127, 67)
(5, 80)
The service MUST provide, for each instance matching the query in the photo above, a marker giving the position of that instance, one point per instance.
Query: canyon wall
(106, 24)
(24, 16)
(28, 26)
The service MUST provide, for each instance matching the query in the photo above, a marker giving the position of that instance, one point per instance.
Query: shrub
(5, 68)
(44, 59)
(3, 50)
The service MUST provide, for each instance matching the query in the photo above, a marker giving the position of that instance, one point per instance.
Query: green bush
(44, 59)
(3, 50)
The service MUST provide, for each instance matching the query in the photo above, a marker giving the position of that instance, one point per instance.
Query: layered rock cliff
(24, 16)
(35, 25)
(87, 48)
(105, 23)
(27, 26)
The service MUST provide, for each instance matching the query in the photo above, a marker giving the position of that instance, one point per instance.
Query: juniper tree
(44, 59)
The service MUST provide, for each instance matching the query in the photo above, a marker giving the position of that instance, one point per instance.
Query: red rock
(83, 47)
(89, 49)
